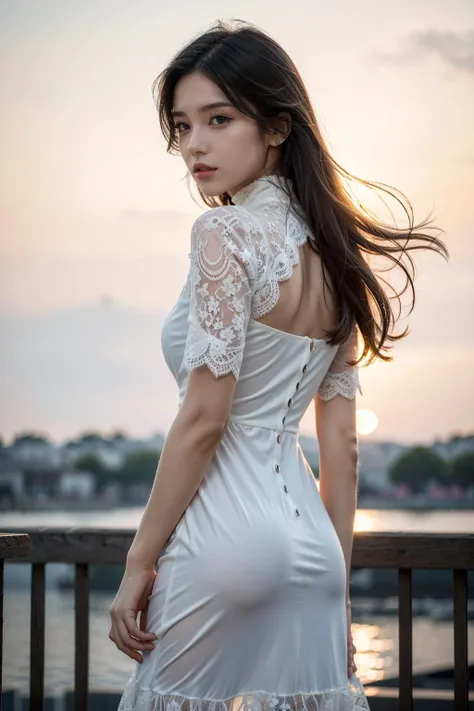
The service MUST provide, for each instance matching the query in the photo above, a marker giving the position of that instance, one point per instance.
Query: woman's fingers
(126, 639)
(351, 665)
(116, 637)
(129, 645)
(134, 631)
(129, 617)
(351, 650)
(143, 618)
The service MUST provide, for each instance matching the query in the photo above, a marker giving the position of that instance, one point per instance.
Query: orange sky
(88, 194)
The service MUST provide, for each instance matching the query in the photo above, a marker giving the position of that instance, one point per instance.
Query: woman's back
(250, 591)
(306, 306)
(260, 315)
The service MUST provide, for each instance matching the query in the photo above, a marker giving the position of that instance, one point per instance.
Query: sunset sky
(91, 204)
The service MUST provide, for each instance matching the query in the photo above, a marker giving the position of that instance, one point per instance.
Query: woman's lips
(204, 173)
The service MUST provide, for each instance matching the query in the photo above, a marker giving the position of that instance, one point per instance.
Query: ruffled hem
(346, 698)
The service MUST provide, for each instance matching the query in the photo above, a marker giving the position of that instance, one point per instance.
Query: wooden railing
(400, 551)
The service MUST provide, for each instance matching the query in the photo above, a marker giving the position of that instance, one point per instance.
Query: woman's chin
(209, 191)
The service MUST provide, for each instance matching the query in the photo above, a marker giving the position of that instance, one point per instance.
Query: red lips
(202, 166)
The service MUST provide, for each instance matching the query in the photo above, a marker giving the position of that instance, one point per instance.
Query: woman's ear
(281, 129)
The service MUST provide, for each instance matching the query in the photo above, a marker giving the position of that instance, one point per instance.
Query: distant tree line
(88, 437)
(415, 468)
(420, 466)
(139, 467)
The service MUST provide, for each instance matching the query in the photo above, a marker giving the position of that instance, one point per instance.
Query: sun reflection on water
(365, 520)
(374, 657)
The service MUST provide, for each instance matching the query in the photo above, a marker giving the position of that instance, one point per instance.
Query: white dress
(249, 600)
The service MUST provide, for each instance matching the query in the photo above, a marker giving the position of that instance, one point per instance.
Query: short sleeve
(342, 378)
(220, 289)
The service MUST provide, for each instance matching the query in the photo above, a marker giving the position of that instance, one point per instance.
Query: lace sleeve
(221, 266)
(342, 378)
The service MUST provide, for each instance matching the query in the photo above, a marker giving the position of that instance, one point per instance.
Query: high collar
(269, 187)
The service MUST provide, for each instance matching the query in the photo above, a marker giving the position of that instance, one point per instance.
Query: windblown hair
(262, 82)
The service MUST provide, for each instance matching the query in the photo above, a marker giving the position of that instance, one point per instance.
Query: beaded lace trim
(347, 698)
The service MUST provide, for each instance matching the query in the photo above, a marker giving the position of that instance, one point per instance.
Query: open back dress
(249, 600)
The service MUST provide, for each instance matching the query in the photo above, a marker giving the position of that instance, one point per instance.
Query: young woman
(248, 603)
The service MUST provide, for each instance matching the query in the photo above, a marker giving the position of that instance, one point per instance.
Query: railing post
(12, 545)
(81, 672)
(461, 681)
(405, 636)
(37, 637)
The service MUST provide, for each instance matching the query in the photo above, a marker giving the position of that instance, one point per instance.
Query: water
(376, 640)
(366, 520)
(376, 637)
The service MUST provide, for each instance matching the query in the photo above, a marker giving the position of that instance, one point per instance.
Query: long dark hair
(261, 80)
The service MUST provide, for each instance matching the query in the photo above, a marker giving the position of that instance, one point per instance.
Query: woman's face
(213, 132)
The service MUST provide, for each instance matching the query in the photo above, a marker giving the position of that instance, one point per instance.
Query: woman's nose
(197, 143)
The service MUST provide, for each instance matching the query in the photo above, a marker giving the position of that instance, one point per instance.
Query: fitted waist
(270, 427)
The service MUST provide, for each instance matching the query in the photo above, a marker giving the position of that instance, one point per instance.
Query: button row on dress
(290, 402)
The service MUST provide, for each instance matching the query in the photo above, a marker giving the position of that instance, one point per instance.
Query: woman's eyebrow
(207, 107)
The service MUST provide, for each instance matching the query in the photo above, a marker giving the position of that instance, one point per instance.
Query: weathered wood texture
(13, 545)
(442, 551)
(37, 638)
(81, 663)
(461, 673)
(435, 551)
(405, 638)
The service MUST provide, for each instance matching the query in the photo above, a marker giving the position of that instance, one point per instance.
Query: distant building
(11, 486)
(454, 447)
(30, 449)
(375, 460)
(76, 484)
(42, 483)
(110, 452)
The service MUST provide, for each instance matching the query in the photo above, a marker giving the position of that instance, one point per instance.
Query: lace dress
(249, 601)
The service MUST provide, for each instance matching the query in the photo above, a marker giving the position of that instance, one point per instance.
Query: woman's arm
(335, 409)
(338, 461)
(189, 447)
(221, 261)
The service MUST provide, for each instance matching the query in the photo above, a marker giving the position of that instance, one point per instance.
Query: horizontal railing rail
(404, 552)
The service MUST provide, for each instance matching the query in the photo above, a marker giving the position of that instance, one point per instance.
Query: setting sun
(367, 422)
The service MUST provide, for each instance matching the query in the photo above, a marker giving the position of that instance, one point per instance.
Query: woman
(249, 601)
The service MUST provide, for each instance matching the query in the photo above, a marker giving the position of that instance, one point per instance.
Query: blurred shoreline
(372, 502)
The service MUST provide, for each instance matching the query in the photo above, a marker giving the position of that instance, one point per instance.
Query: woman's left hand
(132, 598)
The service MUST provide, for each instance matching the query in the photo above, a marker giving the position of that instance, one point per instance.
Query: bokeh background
(95, 217)
(95, 223)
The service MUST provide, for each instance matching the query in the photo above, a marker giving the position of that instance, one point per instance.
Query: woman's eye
(220, 119)
(181, 126)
